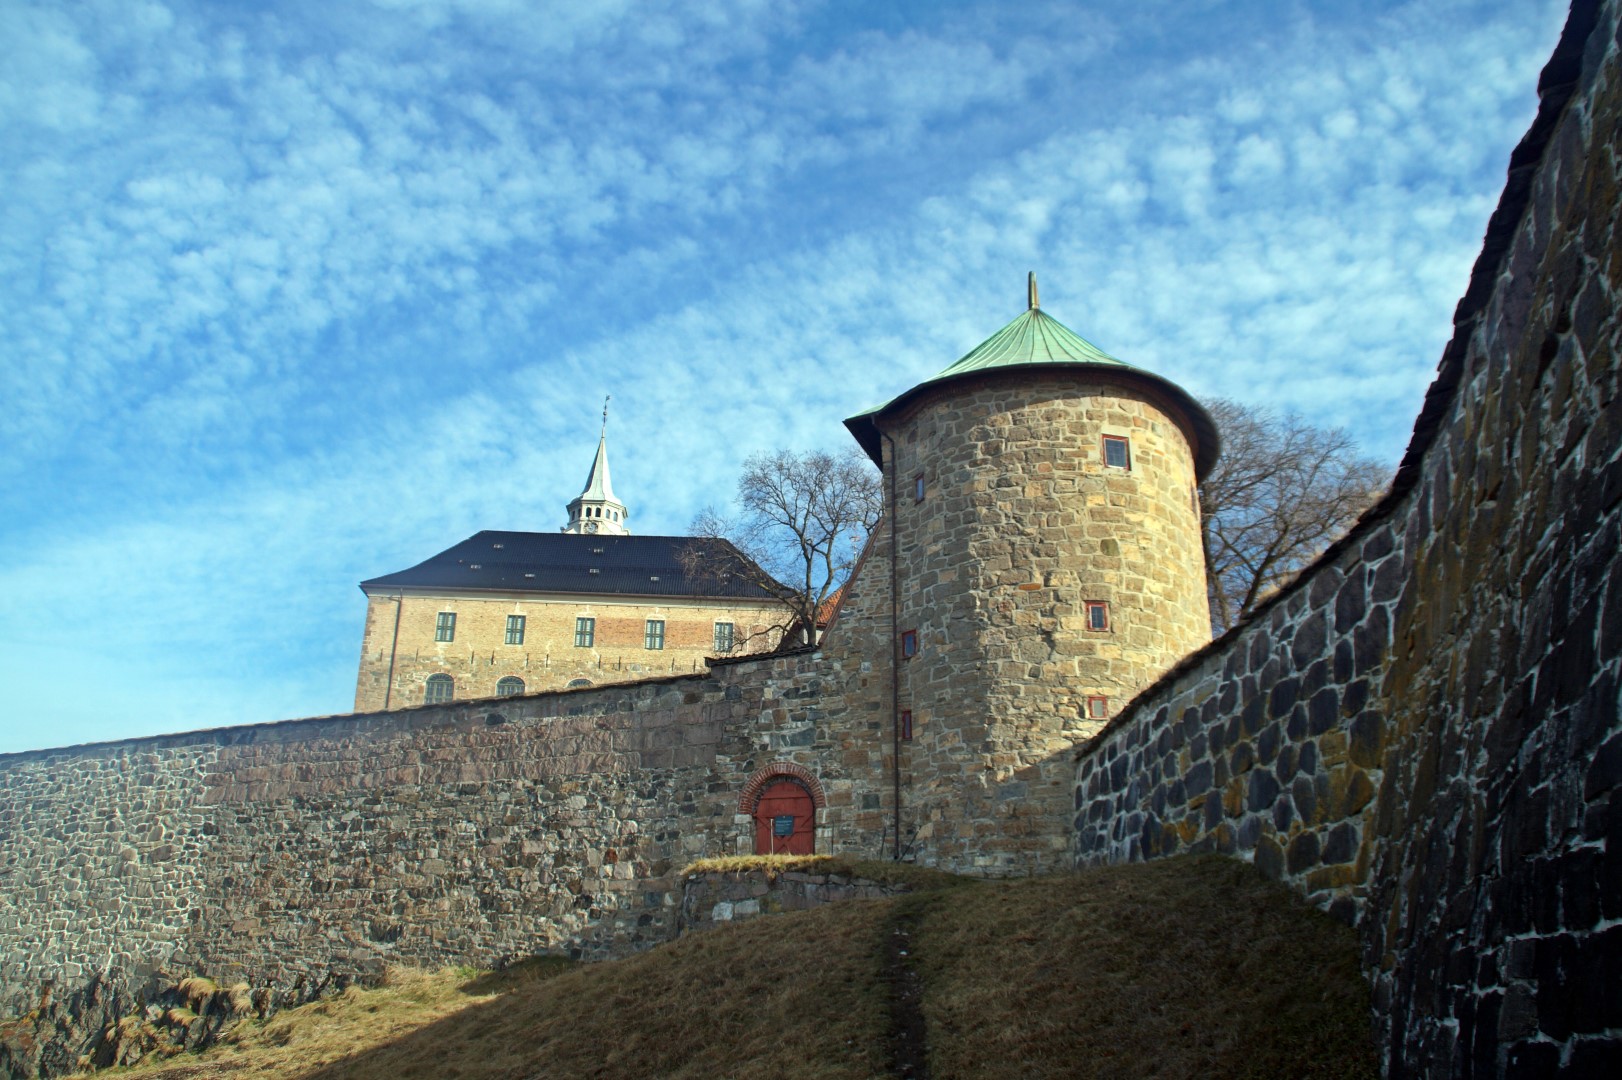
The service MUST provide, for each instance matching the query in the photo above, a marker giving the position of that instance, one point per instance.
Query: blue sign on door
(783, 825)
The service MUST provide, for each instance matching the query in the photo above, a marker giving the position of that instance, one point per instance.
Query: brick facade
(479, 656)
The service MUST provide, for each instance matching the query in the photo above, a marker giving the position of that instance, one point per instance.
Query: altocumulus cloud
(293, 298)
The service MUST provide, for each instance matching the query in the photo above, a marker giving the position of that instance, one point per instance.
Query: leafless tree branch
(1282, 492)
(802, 520)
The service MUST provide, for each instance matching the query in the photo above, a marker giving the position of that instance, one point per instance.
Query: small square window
(445, 626)
(585, 632)
(918, 488)
(515, 629)
(1097, 615)
(723, 637)
(1117, 452)
(1098, 708)
(906, 725)
(653, 635)
(909, 644)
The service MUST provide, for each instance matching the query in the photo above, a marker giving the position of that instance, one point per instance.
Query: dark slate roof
(493, 561)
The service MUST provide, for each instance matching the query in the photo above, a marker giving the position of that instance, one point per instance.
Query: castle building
(506, 613)
(1421, 734)
(1044, 534)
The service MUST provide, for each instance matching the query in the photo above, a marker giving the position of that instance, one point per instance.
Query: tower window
(653, 635)
(439, 689)
(445, 626)
(909, 644)
(515, 629)
(1097, 615)
(918, 488)
(509, 686)
(1117, 451)
(1098, 707)
(723, 637)
(585, 632)
(906, 725)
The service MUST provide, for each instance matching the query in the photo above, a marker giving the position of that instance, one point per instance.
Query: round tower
(1045, 536)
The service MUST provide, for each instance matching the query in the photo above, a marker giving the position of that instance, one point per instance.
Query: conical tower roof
(1035, 342)
(598, 488)
(595, 510)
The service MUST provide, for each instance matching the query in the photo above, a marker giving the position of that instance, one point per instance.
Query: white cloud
(294, 300)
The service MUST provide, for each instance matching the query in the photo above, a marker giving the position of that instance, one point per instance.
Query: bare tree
(802, 520)
(1281, 493)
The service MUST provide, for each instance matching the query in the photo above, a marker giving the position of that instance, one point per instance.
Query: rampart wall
(1422, 733)
(312, 852)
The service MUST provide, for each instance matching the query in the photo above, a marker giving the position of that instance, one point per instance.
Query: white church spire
(595, 510)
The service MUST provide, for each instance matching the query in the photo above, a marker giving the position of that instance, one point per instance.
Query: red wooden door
(785, 820)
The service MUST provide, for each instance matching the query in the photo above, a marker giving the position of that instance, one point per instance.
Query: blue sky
(299, 295)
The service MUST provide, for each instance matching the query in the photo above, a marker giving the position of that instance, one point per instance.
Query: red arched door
(785, 820)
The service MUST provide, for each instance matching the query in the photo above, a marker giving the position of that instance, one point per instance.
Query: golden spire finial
(1031, 290)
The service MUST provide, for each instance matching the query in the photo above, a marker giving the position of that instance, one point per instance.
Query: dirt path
(909, 1055)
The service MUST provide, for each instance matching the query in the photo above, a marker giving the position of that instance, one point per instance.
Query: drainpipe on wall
(394, 647)
(895, 654)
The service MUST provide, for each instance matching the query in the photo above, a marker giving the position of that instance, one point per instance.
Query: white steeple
(595, 510)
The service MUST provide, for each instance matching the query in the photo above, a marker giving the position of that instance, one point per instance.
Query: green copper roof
(1036, 340)
(1033, 338)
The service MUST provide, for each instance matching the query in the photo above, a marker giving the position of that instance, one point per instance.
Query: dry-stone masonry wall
(1423, 732)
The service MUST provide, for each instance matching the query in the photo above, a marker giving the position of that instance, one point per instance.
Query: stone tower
(1045, 542)
(595, 510)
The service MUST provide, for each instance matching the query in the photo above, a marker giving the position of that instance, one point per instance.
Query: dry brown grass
(301, 1041)
(1179, 968)
(771, 864)
(1189, 967)
(878, 870)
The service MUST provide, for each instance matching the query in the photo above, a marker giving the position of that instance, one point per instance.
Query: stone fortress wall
(547, 659)
(1422, 734)
(311, 853)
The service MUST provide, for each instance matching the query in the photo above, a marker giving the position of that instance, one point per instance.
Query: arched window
(509, 686)
(575, 684)
(440, 689)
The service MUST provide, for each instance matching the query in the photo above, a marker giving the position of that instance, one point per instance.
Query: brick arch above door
(749, 798)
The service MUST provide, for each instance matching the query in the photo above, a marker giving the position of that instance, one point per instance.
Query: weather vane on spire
(606, 400)
(1031, 291)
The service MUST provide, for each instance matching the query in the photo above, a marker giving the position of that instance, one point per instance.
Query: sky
(297, 295)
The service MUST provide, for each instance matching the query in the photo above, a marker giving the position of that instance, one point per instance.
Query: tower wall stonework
(1021, 523)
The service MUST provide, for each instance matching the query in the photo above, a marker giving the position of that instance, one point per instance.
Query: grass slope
(1180, 968)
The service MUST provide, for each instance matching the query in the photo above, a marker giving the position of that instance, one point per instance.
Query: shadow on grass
(517, 976)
